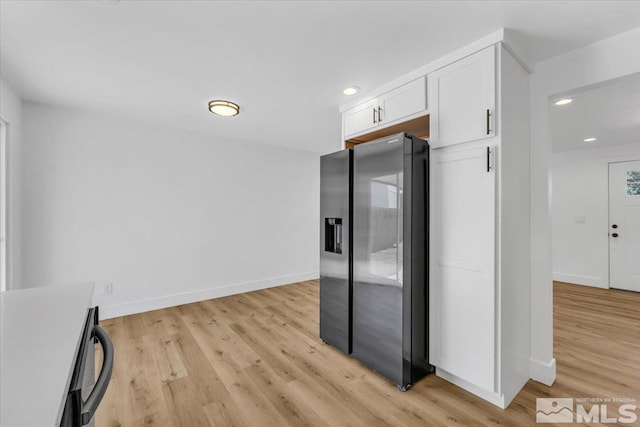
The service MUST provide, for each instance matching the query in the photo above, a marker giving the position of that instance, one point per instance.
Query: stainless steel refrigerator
(389, 268)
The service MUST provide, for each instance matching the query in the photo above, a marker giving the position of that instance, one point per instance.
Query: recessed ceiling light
(564, 101)
(589, 139)
(224, 108)
(351, 90)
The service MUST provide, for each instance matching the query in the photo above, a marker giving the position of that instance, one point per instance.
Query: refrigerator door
(378, 256)
(415, 340)
(335, 249)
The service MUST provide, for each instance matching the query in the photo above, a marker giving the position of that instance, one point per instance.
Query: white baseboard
(578, 279)
(489, 396)
(140, 306)
(542, 372)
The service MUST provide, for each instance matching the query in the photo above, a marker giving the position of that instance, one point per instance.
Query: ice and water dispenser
(333, 235)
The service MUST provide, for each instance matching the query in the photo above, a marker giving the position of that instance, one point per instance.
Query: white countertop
(40, 330)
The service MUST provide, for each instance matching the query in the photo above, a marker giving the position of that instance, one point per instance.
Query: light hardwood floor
(256, 360)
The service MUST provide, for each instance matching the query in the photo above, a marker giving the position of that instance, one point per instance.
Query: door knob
(614, 235)
(614, 226)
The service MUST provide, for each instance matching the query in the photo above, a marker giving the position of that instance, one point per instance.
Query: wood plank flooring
(255, 359)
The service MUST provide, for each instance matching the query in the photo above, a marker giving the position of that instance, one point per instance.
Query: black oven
(85, 392)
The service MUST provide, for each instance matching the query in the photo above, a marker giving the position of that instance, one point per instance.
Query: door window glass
(633, 183)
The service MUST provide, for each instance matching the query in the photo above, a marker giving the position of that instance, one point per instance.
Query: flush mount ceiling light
(564, 101)
(589, 139)
(224, 108)
(351, 90)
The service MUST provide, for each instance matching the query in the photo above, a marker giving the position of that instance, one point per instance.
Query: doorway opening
(595, 214)
(595, 134)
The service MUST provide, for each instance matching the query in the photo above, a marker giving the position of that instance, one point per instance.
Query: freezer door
(378, 256)
(335, 249)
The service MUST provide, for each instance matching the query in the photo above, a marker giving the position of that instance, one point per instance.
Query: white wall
(11, 112)
(597, 62)
(167, 217)
(580, 188)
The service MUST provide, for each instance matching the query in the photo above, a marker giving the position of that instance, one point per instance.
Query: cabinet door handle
(374, 116)
(488, 159)
(379, 114)
(488, 121)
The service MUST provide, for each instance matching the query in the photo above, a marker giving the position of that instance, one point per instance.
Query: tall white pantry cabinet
(479, 303)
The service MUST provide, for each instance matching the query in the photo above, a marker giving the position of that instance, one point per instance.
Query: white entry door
(624, 225)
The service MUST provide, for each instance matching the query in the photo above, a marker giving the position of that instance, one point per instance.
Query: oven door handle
(90, 406)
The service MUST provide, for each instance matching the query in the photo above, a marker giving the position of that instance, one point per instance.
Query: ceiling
(285, 63)
(609, 112)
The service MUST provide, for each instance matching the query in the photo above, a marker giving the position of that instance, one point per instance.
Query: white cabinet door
(361, 117)
(390, 107)
(462, 301)
(404, 101)
(463, 100)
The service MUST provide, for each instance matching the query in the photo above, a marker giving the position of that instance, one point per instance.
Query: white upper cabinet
(406, 101)
(464, 97)
(361, 117)
(403, 101)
